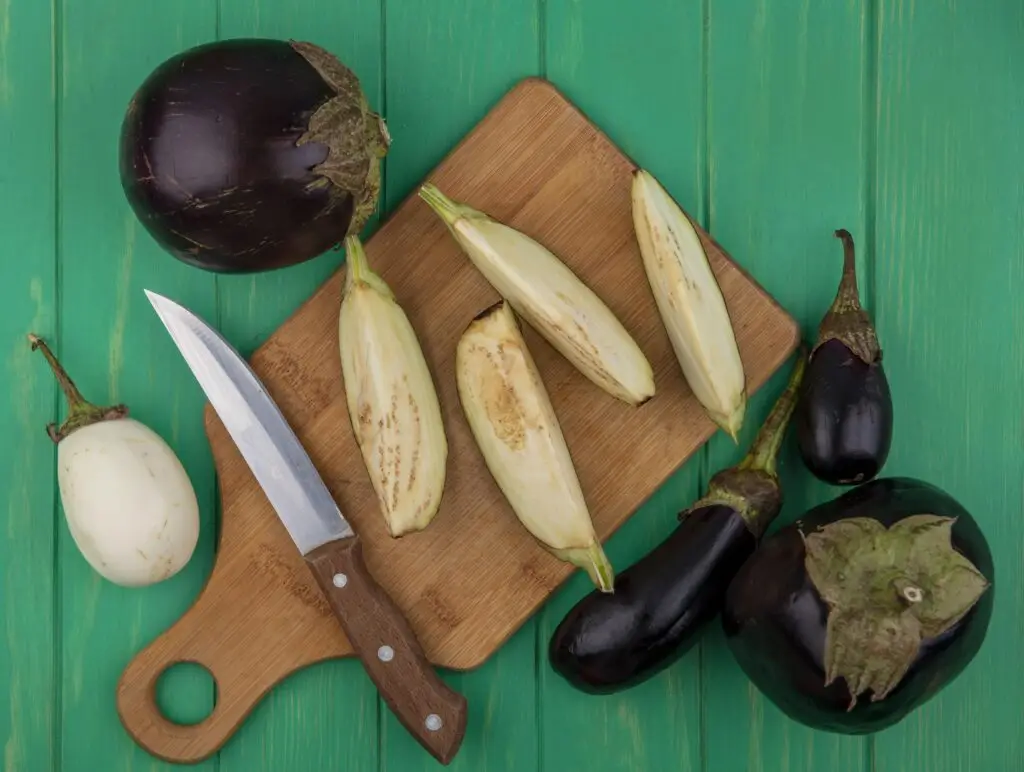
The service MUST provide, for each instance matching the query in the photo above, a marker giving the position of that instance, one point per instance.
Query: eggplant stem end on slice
(593, 560)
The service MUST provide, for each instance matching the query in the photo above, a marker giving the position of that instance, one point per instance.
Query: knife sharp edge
(255, 423)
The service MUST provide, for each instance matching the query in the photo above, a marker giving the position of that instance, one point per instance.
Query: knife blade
(382, 638)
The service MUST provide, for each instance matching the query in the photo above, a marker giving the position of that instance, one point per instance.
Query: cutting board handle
(185, 642)
(256, 592)
(165, 739)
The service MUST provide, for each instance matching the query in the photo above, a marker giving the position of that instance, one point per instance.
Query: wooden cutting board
(475, 575)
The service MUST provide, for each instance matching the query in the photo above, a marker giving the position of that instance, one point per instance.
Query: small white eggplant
(552, 299)
(515, 427)
(690, 303)
(129, 504)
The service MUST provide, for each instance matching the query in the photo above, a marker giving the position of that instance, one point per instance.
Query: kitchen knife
(432, 712)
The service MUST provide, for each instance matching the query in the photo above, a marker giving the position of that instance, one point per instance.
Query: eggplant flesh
(660, 605)
(775, 619)
(843, 424)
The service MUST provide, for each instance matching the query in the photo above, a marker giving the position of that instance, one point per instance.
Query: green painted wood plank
(448, 62)
(115, 347)
(29, 674)
(788, 86)
(324, 717)
(607, 62)
(950, 277)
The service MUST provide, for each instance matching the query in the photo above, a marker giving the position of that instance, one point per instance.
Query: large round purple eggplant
(844, 420)
(865, 608)
(661, 604)
(248, 155)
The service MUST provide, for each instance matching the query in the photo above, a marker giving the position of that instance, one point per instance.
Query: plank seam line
(871, 117)
(542, 38)
(217, 510)
(57, 660)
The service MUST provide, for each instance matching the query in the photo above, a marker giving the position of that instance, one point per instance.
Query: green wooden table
(774, 121)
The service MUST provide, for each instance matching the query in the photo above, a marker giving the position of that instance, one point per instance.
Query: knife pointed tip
(160, 303)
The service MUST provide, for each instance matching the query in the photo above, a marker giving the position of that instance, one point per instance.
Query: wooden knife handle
(431, 711)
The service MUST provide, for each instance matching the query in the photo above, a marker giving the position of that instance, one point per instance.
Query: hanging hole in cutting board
(186, 693)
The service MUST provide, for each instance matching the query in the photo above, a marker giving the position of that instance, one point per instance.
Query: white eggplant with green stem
(128, 501)
(515, 426)
(551, 298)
(690, 303)
(392, 402)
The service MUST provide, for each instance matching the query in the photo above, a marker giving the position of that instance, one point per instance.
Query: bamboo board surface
(475, 575)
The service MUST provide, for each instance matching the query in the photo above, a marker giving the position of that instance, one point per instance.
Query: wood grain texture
(261, 595)
(787, 85)
(326, 715)
(950, 278)
(604, 60)
(30, 679)
(113, 344)
(447, 63)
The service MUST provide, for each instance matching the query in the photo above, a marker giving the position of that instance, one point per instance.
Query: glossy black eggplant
(661, 604)
(248, 155)
(844, 419)
(884, 591)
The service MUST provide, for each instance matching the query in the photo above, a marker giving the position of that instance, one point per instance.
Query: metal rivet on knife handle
(433, 722)
(385, 654)
(340, 580)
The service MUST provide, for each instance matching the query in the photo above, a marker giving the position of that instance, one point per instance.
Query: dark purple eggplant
(661, 604)
(884, 591)
(249, 155)
(844, 419)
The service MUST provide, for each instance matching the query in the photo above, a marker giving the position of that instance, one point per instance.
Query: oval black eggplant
(844, 420)
(248, 155)
(610, 641)
(661, 604)
(884, 591)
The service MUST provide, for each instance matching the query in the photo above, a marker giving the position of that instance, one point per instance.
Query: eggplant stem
(81, 412)
(765, 448)
(908, 591)
(593, 560)
(848, 296)
(446, 209)
(359, 271)
(846, 320)
(74, 397)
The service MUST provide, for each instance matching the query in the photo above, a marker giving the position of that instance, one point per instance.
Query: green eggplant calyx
(356, 137)
(846, 320)
(752, 488)
(81, 413)
(887, 590)
(754, 494)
